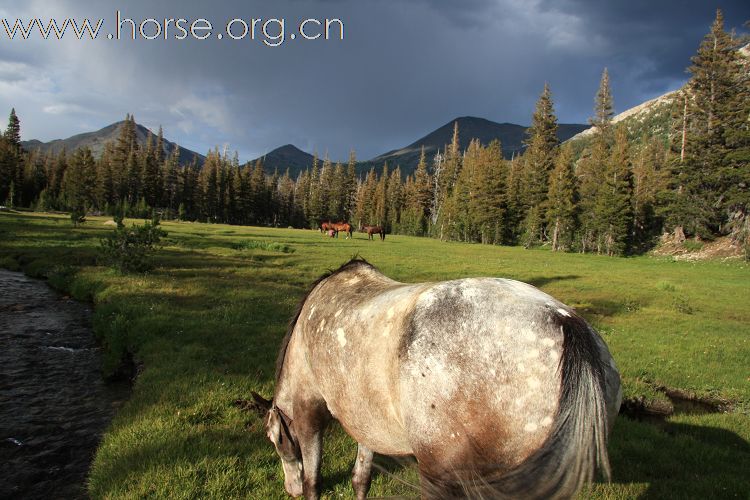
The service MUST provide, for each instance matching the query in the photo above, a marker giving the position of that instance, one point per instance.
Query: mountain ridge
(511, 138)
(510, 135)
(97, 139)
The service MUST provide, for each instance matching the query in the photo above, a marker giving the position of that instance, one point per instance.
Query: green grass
(204, 327)
(273, 246)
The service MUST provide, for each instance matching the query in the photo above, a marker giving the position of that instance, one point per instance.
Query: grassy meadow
(204, 326)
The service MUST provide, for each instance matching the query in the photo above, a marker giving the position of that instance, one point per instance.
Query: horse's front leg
(362, 472)
(310, 430)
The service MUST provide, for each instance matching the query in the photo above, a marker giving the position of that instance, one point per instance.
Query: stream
(54, 404)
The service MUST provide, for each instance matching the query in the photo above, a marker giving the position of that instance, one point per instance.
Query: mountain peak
(97, 140)
(286, 157)
(510, 135)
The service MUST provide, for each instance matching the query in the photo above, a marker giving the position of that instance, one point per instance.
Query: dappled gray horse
(497, 389)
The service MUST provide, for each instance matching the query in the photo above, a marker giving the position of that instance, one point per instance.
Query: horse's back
(479, 368)
(352, 341)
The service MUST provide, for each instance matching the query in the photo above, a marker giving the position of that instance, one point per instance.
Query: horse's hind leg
(362, 472)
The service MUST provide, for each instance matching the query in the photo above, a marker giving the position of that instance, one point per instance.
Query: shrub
(681, 304)
(692, 246)
(77, 216)
(129, 248)
(271, 246)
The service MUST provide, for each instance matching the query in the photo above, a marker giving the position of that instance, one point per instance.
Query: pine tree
(603, 106)
(412, 219)
(171, 180)
(209, 182)
(364, 211)
(159, 155)
(231, 194)
(462, 205)
(124, 161)
(79, 181)
(150, 174)
(351, 186)
(592, 168)
(60, 164)
(514, 200)
(12, 133)
(452, 166)
(380, 202)
(259, 193)
(422, 185)
(34, 176)
(315, 205)
(325, 190)
(706, 171)
(417, 194)
(613, 204)
(339, 193)
(302, 196)
(538, 162)
(11, 173)
(394, 199)
(105, 188)
(590, 174)
(649, 184)
(562, 199)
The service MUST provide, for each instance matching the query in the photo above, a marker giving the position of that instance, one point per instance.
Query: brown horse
(325, 227)
(497, 389)
(342, 226)
(370, 230)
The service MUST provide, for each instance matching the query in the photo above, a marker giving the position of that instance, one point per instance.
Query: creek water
(54, 404)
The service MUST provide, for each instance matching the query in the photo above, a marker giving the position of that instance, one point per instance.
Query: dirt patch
(676, 402)
(696, 249)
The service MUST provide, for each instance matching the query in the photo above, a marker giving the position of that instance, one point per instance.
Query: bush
(129, 248)
(271, 246)
(77, 216)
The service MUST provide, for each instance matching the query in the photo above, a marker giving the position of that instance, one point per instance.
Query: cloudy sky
(403, 68)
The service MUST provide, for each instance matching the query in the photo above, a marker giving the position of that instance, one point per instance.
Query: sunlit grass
(204, 327)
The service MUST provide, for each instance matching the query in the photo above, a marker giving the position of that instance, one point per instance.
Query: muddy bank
(54, 405)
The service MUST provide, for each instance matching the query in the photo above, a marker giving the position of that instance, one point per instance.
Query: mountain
(649, 119)
(97, 140)
(288, 156)
(511, 137)
(653, 118)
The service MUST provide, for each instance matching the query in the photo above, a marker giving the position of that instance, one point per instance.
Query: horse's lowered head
(280, 432)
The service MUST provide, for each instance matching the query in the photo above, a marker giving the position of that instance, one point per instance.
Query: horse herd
(332, 229)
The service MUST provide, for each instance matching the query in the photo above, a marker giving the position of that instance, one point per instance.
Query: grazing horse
(497, 389)
(325, 227)
(370, 230)
(342, 226)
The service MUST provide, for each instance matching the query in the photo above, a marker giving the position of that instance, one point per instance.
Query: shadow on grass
(679, 460)
(540, 281)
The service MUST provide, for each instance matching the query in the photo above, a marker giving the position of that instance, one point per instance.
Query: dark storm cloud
(665, 34)
(403, 69)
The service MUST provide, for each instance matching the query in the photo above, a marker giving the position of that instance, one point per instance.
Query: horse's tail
(382, 234)
(577, 444)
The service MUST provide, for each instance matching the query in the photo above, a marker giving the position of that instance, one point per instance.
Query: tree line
(615, 197)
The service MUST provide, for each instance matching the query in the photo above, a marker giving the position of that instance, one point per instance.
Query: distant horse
(325, 227)
(370, 230)
(497, 389)
(342, 226)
